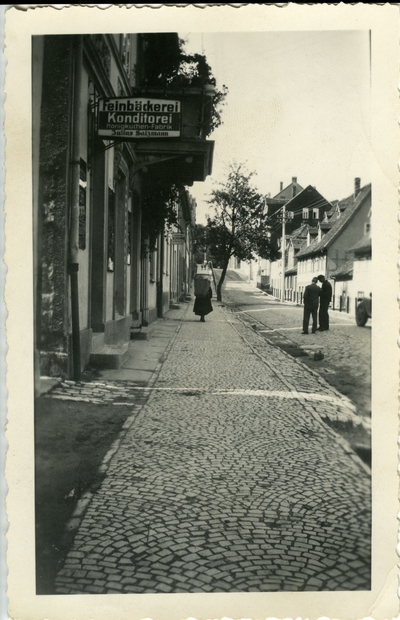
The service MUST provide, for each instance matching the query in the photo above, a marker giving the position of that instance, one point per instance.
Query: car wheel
(361, 315)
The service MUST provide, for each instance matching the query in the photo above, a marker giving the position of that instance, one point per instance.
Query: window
(305, 214)
(315, 214)
(367, 228)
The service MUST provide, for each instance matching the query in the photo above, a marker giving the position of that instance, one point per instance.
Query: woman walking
(203, 294)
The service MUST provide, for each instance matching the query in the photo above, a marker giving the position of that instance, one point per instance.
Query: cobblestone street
(346, 347)
(226, 479)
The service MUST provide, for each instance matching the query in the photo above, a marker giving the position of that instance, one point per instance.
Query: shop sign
(138, 117)
(178, 238)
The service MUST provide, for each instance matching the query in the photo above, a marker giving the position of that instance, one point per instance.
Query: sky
(298, 106)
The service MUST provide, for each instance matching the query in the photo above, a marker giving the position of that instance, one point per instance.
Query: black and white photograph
(209, 400)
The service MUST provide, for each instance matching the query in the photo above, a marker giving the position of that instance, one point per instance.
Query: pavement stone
(226, 479)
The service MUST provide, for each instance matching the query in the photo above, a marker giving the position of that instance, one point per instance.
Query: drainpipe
(73, 266)
(161, 276)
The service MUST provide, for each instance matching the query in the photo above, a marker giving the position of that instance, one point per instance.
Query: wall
(362, 277)
(152, 301)
(37, 76)
(276, 277)
(308, 269)
(350, 235)
(247, 269)
(53, 204)
(85, 215)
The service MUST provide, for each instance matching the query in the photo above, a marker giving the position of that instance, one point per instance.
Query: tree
(199, 243)
(166, 64)
(238, 227)
(162, 64)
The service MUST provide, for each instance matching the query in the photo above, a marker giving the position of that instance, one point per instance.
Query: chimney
(357, 183)
(281, 186)
(294, 180)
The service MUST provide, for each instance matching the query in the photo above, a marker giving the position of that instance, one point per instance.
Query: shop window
(82, 205)
(111, 230)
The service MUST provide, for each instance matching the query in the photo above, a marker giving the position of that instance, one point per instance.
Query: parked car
(363, 310)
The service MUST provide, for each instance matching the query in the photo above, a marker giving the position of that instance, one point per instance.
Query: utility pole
(283, 248)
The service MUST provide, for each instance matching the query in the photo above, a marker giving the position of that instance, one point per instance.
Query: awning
(345, 272)
(183, 161)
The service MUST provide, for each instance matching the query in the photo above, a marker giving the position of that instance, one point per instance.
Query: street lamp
(286, 215)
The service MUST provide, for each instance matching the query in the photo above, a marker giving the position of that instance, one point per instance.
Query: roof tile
(352, 205)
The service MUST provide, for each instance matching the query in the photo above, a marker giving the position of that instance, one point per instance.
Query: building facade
(331, 251)
(304, 209)
(112, 216)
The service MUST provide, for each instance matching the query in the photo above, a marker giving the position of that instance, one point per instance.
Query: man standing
(311, 299)
(326, 296)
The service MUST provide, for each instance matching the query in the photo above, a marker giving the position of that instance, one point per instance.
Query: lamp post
(286, 215)
(283, 246)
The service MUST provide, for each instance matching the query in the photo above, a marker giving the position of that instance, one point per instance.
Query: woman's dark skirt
(202, 306)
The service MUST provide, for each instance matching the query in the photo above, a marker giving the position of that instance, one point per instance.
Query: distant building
(305, 210)
(354, 279)
(330, 252)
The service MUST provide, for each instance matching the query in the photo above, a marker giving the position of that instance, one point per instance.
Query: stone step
(110, 356)
(97, 341)
(142, 333)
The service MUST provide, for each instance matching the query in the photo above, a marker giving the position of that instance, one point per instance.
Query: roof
(282, 191)
(332, 212)
(345, 272)
(327, 225)
(298, 237)
(352, 206)
(343, 204)
(364, 246)
(300, 233)
(275, 201)
(308, 197)
(291, 272)
(298, 243)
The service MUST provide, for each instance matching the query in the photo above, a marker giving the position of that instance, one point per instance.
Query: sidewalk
(145, 358)
(226, 479)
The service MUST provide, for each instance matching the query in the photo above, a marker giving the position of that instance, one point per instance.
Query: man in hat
(326, 296)
(311, 300)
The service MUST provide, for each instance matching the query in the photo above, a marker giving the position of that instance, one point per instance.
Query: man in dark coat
(326, 296)
(311, 299)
